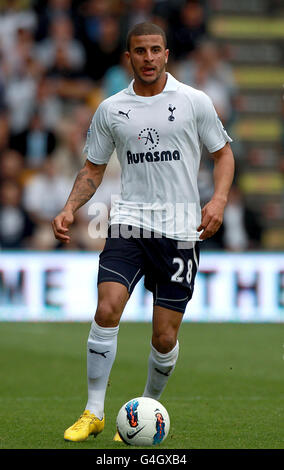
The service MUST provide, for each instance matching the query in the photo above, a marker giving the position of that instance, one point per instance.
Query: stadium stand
(251, 35)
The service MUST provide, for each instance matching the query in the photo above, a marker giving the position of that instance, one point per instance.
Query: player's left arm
(213, 211)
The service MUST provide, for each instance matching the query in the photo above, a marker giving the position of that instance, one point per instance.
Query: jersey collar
(171, 85)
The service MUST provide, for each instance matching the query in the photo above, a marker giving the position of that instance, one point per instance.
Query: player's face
(148, 57)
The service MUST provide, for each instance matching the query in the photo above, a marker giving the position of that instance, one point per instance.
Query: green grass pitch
(226, 391)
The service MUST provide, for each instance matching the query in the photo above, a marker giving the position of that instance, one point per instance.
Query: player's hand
(61, 225)
(212, 218)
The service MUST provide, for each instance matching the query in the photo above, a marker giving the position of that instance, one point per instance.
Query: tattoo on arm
(82, 191)
(92, 184)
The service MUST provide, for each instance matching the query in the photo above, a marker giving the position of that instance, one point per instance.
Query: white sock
(101, 352)
(160, 368)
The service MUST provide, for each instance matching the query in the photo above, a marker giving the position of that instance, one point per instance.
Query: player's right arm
(85, 186)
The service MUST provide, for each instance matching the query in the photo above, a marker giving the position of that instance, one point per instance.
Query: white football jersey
(158, 141)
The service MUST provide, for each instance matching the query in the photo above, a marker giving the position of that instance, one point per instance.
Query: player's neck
(150, 89)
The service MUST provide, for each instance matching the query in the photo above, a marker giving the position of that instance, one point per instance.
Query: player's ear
(167, 55)
(127, 55)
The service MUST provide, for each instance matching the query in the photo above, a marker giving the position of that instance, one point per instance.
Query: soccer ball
(143, 421)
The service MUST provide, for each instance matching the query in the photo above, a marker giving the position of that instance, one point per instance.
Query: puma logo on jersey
(124, 114)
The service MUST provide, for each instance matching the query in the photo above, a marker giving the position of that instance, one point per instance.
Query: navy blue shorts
(168, 269)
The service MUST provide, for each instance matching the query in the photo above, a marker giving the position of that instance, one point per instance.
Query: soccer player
(157, 126)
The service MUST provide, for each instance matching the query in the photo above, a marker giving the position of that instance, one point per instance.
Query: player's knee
(164, 342)
(107, 314)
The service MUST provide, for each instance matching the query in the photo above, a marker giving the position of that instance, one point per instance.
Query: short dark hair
(145, 29)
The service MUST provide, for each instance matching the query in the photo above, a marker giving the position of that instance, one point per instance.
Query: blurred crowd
(58, 60)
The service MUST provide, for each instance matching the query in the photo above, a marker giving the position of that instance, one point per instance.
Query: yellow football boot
(86, 425)
(117, 437)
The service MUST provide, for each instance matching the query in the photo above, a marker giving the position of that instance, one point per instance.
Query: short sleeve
(210, 128)
(99, 142)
